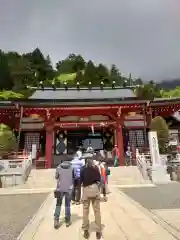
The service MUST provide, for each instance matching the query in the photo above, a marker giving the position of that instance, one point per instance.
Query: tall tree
(148, 92)
(42, 66)
(64, 66)
(79, 78)
(138, 81)
(6, 81)
(115, 75)
(22, 73)
(102, 74)
(71, 64)
(50, 72)
(90, 74)
(78, 63)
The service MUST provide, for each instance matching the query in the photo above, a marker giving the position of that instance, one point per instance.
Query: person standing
(103, 180)
(79, 152)
(108, 172)
(77, 164)
(90, 180)
(64, 176)
(90, 149)
(116, 155)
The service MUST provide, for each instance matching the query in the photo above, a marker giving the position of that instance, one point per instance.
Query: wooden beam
(85, 124)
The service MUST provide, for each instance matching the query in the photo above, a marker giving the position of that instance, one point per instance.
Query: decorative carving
(119, 112)
(48, 114)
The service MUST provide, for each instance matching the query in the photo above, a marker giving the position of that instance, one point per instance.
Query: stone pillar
(49, 146)
(119, 141)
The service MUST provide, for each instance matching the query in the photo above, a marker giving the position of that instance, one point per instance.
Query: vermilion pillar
(49, 145)
(119, 141)
(148, 119)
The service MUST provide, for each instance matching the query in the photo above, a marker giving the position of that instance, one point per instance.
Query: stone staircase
(44, 178)
(127, 175)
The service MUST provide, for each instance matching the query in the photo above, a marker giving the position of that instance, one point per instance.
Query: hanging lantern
(48, 114)
(102, 124)
(92, 129)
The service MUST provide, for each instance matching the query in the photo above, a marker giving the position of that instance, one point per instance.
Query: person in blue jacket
(77, 163)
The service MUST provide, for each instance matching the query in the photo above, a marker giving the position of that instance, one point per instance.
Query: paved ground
(166, 196)
(169, 216)
(133, 210)
(16, 211)
(163, 201)
(121, 219)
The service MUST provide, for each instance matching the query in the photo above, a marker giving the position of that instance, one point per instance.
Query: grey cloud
(139, 36)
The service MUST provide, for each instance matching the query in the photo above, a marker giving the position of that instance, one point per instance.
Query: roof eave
(58, 102)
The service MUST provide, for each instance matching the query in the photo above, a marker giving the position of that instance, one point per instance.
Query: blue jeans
(67, 206)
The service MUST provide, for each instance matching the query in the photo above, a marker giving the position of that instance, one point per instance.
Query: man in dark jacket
(65, 178)
(90, 180)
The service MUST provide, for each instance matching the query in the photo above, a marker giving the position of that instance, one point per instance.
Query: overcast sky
(139, 36)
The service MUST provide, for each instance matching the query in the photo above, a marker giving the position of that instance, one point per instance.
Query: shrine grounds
(136, 209)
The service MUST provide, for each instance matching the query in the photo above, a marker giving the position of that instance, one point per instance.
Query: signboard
(32, 126)
(134, 123)
(134, 117)
(154, 148)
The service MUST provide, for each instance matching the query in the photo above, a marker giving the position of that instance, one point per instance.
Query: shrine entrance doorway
(83, 138)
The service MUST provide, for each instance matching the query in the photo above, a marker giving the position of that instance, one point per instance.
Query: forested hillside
(20, 72)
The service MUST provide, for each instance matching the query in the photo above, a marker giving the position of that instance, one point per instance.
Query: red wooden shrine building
(60, 120)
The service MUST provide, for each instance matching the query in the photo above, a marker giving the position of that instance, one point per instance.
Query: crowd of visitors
(81, 181)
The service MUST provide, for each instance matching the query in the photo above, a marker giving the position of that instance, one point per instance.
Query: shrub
(7, 140)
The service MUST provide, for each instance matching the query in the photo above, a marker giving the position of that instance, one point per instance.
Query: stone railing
(15, 171)
(155, 173)
(144, 166)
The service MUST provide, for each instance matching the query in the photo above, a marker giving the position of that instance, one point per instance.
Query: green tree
(50, 72)
(90, 74)
(6, 80)
(159, 125)
(71, 64)
(115, 75)
(7, 140)
(64, 66)
(102, 74)
(148, 92)
(138, 81)
(77, 61)
(79, 78)
(22, 73)
(40, 65)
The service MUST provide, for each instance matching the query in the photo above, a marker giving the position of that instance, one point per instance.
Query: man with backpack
(64, 177)
(77, 164)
